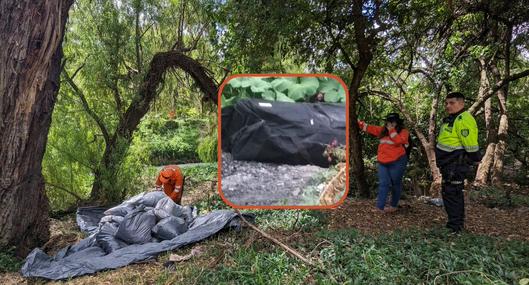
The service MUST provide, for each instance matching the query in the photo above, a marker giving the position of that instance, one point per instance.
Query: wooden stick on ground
(286, 247)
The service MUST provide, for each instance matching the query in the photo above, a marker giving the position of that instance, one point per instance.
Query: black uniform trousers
(452, 192)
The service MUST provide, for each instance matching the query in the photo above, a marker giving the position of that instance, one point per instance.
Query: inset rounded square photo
(283, 141)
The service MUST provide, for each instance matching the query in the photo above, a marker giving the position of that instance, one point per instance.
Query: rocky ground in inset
(263, 184)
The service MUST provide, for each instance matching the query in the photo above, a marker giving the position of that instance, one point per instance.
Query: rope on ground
(287, 248)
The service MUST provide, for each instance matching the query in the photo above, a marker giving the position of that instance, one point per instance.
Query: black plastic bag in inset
(281, 132)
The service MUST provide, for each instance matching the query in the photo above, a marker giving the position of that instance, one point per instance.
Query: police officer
(457, 147)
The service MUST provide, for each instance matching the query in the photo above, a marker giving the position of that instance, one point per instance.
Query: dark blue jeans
(390, 178)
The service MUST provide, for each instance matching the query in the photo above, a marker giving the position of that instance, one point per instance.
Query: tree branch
(65, 190)
(286, 247)
(117, 97)
(160, 64)
(338, 44)
(71, 156)
(478, 104)
(137, 41)
(86, 107)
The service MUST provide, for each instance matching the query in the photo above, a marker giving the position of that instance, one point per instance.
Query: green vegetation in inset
(284, 89)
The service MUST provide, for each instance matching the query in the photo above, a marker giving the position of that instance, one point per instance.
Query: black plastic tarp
(282, 132)
(88, 218)
(90, 256)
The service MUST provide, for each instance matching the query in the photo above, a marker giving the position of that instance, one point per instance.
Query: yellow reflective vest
(461, 135)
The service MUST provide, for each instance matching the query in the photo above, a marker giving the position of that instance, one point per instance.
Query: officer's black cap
(457, 95)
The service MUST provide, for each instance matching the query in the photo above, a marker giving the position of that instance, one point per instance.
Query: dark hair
(457, 95)
(392, 117)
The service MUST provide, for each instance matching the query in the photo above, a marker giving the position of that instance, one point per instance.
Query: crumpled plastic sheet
(136, 226)
(166, 207)
(106, 239)
(169, 228)
(87, 257)
(88, 218)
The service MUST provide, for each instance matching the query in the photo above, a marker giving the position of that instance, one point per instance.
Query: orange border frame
(219, 144)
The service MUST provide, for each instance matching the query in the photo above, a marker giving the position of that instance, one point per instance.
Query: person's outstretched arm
(370, 129)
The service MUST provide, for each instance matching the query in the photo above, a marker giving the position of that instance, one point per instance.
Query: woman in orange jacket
(391, 156)
(172, 180)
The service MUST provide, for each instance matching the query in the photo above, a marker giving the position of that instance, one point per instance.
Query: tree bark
(503, 127)
(482, 175)
(31, 36)
(501, 146)
(103, 190)
(365, 46)
(483, 172)
(429, 146)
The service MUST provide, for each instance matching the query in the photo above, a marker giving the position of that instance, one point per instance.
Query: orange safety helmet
(166, 174)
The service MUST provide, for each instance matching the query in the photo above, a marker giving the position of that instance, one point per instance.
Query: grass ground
(350, 245)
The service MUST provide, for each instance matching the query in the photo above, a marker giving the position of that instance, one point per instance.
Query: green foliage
(284, 89)
(207, 149)
(73, 151)
(135, 174)
(201, 172)
(212, 202)
(368, 260)
(108, 48)
(411, 257)
(168, 141)
(304, 220)
(8, 261)
(494, 197)
(252, 266)
(173, 149)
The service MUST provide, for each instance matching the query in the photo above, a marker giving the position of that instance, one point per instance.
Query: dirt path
(361, 215)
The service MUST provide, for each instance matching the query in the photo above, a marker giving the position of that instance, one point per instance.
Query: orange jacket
(390, 147)
(173, 182)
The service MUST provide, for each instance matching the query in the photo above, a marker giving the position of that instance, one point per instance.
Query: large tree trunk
(484, 168)
(499, 151)
(429, 149)
(503, 126)
(31, 36)
(482, 175)
(355, 142)
(104, 189)
(365, 46)
(429, 146)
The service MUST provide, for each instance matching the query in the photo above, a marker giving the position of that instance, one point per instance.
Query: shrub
(207, 149)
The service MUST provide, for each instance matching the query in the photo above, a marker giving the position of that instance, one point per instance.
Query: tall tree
(30, 58)
(118, 143)
(121, 56)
